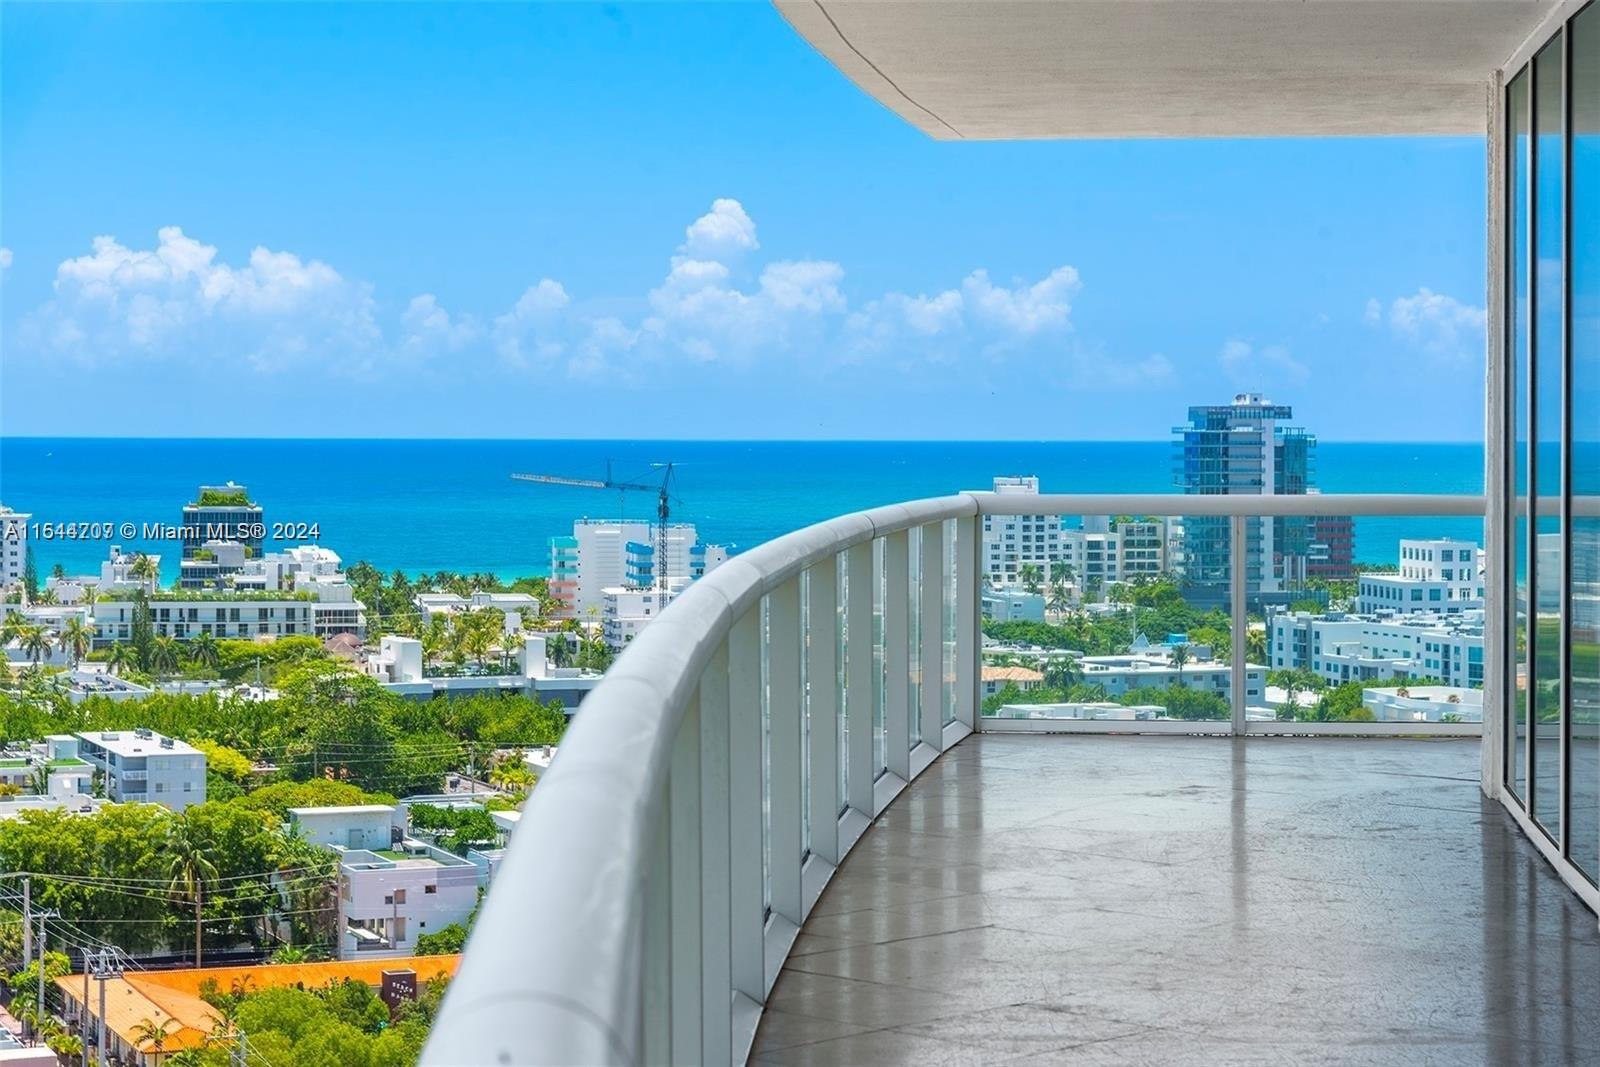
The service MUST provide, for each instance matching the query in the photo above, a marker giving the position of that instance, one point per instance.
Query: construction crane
(663, 509)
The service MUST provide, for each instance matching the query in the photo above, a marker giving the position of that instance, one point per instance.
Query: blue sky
(672, 221)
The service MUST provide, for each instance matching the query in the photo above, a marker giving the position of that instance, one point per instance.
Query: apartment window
(430, 890)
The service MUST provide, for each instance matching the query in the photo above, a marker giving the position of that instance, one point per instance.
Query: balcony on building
(783, 829)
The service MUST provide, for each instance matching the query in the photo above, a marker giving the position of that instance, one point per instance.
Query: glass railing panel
(1549, 556)
(947, 587)
(1099, 633)
(914, 607)
(1584, 573)
(1519, 150)
(880, 747)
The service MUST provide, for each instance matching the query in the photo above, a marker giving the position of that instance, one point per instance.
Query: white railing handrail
(554, 969)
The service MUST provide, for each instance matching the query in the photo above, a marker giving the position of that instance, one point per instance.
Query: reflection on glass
(1517, 397)
(1548, 563)
(1584, 668)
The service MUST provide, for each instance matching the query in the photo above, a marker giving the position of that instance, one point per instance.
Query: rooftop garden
(222, 498)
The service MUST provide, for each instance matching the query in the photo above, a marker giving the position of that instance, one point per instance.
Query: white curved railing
(695, 811)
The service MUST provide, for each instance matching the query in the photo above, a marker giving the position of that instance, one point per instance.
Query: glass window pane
(1517, 397)
(1584, 761)
(1549, 170)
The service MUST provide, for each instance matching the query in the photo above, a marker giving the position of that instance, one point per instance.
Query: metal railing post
(783, 702)
(859, 668)
(897, 653)
(685, 834)
(746, 889)
(716, 960)
(931, 661)
(969, 620)
(822, 677)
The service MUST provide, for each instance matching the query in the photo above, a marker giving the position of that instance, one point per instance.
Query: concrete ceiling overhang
(1009, 69)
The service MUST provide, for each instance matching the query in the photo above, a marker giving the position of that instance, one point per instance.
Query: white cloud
(175, 299)
(535, 328)
(178, 299)
(1246, 364)
(1023, 309)
(429, 328)
(721, 233)
(1435, 323)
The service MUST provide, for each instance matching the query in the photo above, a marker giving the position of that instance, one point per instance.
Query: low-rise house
(352, 826)
(390, 897)
(994, 679)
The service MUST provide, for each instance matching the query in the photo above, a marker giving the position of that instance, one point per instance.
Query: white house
(994, 679)
(1120, 675)
(389, 898)
(352, 826)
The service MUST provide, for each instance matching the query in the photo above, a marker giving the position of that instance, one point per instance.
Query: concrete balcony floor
(1165, 900)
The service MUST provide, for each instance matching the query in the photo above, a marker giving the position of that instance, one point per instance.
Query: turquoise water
(451, 505)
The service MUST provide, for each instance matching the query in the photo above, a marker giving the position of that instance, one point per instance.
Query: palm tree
(12, 627)
(1180, 657)
(190, 868)
(145, 569)
(1030, 577)
(149, 1032)
(76, 637)
(47, 597)
(119, 658)
(36, 642)
(164, 655)
(40, 780)
(87, 598)
(1060, 595)
(203, 650)
(1063, 672)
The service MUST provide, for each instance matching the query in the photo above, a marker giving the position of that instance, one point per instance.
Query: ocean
(422, 505)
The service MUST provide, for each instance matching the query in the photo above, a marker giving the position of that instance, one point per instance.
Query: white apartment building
(625, 610)
(1436, 576)
(220, 615)
(1345, 648)
(1120, 675)
(13, 544)
(1106, 551)
(388, 898)
(604, 554)
(1011, 542)
(308, 569)
(139, 765)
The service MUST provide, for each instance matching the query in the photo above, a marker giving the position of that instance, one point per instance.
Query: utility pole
(83, 1014)
(104, 970)
(38, 1007)
(27, 921)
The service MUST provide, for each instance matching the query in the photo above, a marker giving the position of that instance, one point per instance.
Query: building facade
(601, 555)
(223, 615)
(1346, 648)
(13, 545)
(139, 765)
(221, 513)
(1246, 447)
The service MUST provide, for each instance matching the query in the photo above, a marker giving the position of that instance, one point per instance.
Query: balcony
(782, 830)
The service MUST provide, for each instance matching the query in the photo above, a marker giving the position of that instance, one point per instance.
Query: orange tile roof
(173, 997)
(1011, 674)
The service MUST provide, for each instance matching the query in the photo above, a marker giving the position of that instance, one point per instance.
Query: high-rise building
(219, 515)
(13, 545)
(1246, 447)
(602, 554)
(1011, 542)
